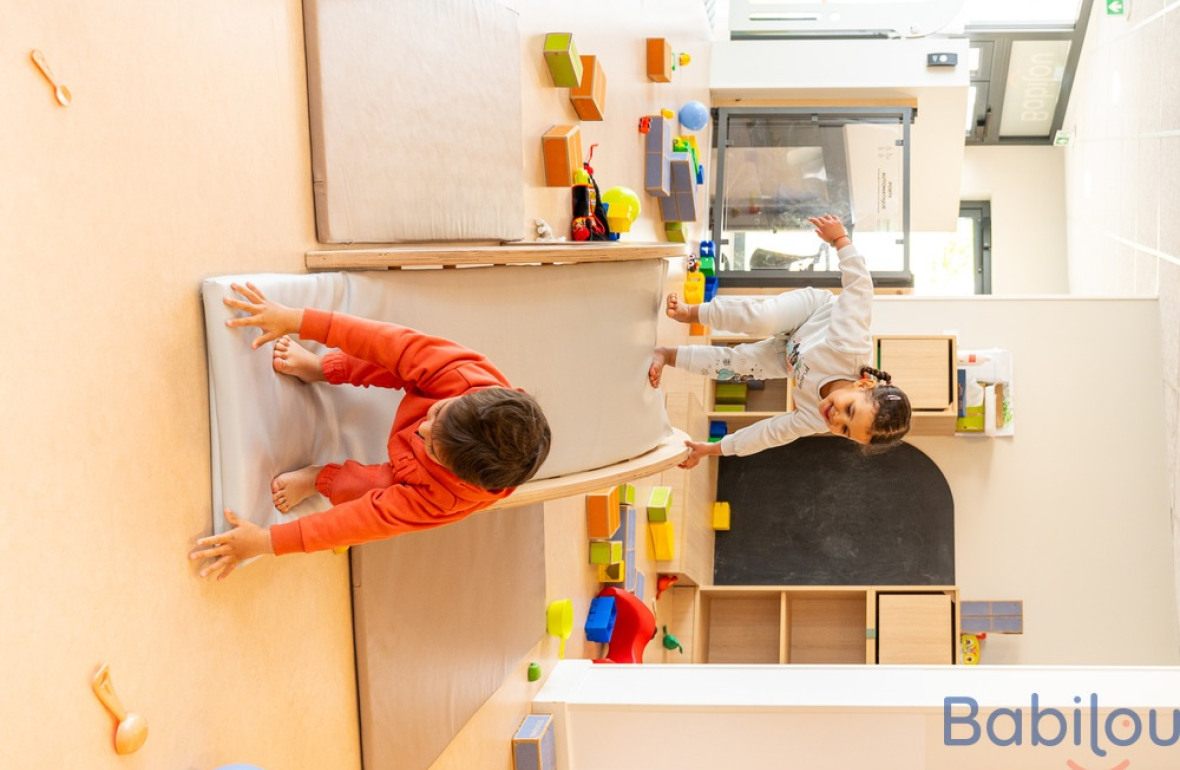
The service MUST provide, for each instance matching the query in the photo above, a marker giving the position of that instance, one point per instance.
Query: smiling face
(427, 426)
(850, 411)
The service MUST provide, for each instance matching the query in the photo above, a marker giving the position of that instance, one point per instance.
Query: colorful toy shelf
(517, 253)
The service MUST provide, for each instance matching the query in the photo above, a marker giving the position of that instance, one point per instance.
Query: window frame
(903, 278)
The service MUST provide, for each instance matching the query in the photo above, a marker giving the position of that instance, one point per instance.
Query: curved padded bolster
(578, 337)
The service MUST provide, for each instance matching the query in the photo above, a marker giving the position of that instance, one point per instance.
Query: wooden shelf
(826, 624)
(519, 253)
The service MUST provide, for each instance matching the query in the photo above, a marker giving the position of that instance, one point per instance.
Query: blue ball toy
(694, 116)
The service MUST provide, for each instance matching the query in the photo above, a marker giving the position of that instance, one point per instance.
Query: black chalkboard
(819, 511)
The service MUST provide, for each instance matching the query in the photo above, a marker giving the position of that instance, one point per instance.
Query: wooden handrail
(434, 255)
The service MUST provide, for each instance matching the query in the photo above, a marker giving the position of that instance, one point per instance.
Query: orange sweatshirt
(413, 492)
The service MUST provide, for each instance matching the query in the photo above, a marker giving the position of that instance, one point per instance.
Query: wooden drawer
(924, 367)
(915, 628)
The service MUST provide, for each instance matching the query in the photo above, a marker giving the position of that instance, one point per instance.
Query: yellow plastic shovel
(559, 622)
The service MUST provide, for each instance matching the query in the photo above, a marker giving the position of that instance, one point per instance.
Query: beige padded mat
(441, 617)
(415, 116)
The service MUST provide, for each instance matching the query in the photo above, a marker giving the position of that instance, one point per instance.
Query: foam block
(600, 621)
(626, 494)
(606, 552)
(659, 502)
(662, 540)
(533, 745)
(562, 59)
(612, 573)
(589, 97)
(562, 149)
(656, 161)
(602, 514)
(720, 515)
(659, 60)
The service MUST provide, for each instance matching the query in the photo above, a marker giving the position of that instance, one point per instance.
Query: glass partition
(779, 166)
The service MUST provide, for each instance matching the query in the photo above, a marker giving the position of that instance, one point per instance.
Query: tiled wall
(1123, 177)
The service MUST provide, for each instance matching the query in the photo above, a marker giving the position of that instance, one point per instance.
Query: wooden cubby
(826, 624)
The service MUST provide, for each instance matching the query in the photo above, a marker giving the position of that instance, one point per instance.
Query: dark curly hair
(494, 438)
(892, 421)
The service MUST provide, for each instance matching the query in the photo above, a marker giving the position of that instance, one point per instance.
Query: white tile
(1147, 193)
(1170, 75)
(1126, 188)
(1150, 62)
(1169, 279)
(1168, 178)
(1146, 274)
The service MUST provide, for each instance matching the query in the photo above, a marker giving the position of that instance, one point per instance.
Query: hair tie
(893, 397)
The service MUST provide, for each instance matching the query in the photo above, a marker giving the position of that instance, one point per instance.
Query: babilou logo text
(1048, 726)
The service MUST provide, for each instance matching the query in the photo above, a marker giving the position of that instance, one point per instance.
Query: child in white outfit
(820, 341)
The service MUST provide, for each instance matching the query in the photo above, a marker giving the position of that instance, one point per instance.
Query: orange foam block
(589, 96)
(562, 149)
(659, 60)
(602, 514)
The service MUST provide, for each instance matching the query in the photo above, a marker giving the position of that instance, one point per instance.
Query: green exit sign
(1116, 7)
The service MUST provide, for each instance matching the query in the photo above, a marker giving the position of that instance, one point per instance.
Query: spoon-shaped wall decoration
(132, 728)
(60, 91)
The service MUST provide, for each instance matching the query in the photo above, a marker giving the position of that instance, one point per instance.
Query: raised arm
(771, 432)
(852, 311)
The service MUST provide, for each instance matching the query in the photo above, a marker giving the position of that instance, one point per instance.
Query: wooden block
(562, 148)
(659, 502)
(626, 494)
(659, 60)
(589, 98)
(561, 57)
(602, 514)
(729, 407)
(674, 232)
(662, 539)
(534, 746)
(720, 515)
(612, 573)
(606, 551)
(698, 330)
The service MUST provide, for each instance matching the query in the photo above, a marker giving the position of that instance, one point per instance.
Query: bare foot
(679, 311)
(297, 361)
(293, 487)
(660, 358)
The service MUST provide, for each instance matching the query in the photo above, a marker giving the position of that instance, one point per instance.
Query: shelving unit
(826, 624)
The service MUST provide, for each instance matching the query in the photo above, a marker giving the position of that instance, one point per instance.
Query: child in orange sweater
(462, 438)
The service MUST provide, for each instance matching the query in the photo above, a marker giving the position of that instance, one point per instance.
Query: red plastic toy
(635, 626)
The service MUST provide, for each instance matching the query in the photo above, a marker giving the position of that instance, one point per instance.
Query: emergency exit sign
(1116, 7)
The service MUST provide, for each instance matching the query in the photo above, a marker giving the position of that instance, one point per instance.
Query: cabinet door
(915, 628)
(923, 368)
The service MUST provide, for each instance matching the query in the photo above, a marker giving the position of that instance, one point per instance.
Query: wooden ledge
(522, 253)
(670, 452)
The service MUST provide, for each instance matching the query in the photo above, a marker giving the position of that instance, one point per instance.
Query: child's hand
(698, 449)
(274, 319)
(829, 228)
(245, 541)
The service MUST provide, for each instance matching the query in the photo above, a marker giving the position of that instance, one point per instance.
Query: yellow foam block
(612, 573)
(662, 540)
(720, 515)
